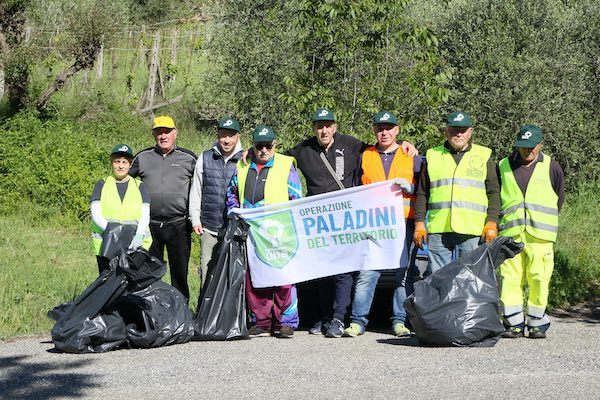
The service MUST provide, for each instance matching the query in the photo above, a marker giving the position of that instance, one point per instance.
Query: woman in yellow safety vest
(119, 200)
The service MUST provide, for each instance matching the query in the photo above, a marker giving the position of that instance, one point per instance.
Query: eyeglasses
(260, 145)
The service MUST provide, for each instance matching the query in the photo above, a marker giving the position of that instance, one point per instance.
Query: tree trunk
(59, 82)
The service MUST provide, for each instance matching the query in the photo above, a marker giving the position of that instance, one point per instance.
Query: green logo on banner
(274, 238)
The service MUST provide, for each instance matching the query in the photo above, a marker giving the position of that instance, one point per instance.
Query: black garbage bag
(222, 303)
(88, 324)
(156, 316)
(458, 305)
(116, 237)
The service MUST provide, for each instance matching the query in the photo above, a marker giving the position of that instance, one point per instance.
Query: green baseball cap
(529, 136)
(230, 123)
(122, 149)
(323, 114)
(263, 133)
(459, 118)
(385, 117)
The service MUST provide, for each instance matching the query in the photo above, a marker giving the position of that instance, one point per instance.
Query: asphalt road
(374, 366)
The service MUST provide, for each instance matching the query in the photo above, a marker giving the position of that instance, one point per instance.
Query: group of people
(454, 199)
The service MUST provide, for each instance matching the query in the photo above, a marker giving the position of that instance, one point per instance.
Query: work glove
(490, 231)
(420, 235)
(136, 242)
(403, 183)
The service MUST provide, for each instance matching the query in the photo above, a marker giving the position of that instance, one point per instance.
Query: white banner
(360, 228)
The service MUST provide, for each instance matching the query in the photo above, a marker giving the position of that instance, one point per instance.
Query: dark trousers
(176, 236)
(334, 296)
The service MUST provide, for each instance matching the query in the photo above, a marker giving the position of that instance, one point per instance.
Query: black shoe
(257, 331)
(320, 328)
(285, 332)
(536, 333)
(513, 332)
(336, 329)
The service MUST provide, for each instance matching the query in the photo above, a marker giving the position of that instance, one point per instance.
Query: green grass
(577, 253)
(46, 262)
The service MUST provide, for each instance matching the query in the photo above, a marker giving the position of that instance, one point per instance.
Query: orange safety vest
(402, 167)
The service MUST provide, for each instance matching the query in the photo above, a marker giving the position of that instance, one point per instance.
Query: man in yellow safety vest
(459, 192)
(532, 194)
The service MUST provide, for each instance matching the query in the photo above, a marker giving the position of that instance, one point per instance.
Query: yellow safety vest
(457, 196)
(276, 186)
(126, 212)
(537, 212)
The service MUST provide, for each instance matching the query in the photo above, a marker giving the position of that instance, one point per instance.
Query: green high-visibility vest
(457, 195)
(126, 212)
(276, 186)
(537, 211)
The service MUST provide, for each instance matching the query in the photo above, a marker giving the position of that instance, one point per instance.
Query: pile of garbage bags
(458, 305)
(126, 306)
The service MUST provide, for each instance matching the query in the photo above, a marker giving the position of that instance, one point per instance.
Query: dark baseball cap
(529, 136)
(230, 123)
(263, 133)
(385, 117)
(460, 119)
(323, 114)
(122, 150)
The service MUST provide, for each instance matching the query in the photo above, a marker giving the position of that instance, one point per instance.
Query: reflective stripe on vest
(537, 212)
(276, 186)
(126, 212)
(457, 195)
(402, 167)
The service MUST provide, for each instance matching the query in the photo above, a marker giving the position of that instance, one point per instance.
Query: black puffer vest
(216, 177)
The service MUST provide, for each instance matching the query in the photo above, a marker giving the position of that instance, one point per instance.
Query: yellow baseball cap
(163, 122)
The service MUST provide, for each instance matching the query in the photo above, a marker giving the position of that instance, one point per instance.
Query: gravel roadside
(376, 365)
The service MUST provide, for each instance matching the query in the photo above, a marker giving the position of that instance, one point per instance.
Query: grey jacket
(168, 179)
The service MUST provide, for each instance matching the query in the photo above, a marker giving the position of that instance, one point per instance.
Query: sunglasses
(260, 145)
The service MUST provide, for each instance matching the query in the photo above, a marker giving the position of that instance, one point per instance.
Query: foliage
(356, 57)
(14, 59)
(577, 270)
(518, 62)
(55, 163)
(156, 11)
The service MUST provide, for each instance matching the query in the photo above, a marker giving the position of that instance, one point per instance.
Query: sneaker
(400, 330)
(536, 333)
(354, 330)
(285, 332)
(320, 328)
(257, 331)
(513, 332)
(336, 329)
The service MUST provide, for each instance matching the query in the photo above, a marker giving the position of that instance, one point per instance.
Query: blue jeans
(364, 291)
(366, 281)
(444, 248)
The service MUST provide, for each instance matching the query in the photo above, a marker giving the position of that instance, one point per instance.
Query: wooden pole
(174, 50)
(99, 63)
(153, 70)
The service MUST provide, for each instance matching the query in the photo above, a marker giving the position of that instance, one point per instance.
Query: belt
(167, 221)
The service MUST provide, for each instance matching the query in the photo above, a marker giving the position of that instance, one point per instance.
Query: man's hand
(420, 235)
(246, 153)
(136, 242)
(490, 231)
(198, 229)
(403, 183)
(409, 149)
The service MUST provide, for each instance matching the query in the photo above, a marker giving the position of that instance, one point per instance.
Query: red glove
(490, 231)
(420, 235)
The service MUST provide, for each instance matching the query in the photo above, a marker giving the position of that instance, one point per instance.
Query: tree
(88, 25)
(15, 58)
(276, 61)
